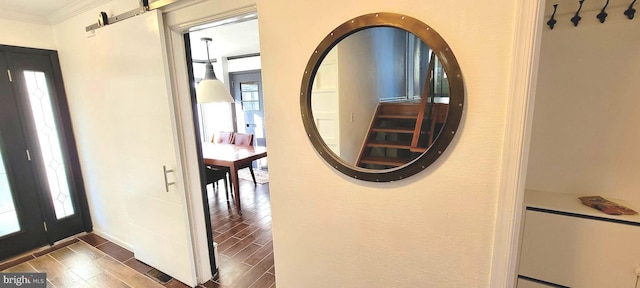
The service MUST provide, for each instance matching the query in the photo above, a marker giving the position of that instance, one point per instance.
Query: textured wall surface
(25, 34)
(92, 125)
(585, 135)
(432, 230)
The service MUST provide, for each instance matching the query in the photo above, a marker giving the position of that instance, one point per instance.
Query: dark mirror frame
(456, 94)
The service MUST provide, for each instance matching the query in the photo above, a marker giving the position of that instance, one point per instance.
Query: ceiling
(44, 11)
(38, 8)
(232, 37)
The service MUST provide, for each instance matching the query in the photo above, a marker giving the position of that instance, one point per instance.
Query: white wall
(98, 115)
(585, 127)
(434, 229)
(244, 64)
(98, 157)
(359, 96)
(18, 33)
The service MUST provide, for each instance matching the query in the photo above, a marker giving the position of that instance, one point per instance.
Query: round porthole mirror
(382, 97)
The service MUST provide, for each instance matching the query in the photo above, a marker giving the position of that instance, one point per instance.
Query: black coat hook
(552, 21)
(630, 12)
(603, 15)
(576, 19)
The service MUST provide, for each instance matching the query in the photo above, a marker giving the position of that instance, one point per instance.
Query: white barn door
(133, 64)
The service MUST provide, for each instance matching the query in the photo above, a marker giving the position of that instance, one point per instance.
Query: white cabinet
(578, 250)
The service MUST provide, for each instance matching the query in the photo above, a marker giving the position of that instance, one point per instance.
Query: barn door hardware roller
(104, 19)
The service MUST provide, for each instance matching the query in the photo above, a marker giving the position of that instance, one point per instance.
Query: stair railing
(423, 105)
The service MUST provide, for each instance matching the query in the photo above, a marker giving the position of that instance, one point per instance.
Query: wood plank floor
(245, 250)
(245, 245)
(89, 261)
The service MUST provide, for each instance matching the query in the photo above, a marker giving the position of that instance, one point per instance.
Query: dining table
(233, 157)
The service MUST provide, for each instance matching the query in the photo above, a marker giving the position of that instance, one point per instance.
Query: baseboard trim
(550, 284)
(113, 239)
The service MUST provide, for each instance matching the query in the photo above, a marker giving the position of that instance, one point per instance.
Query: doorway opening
(246, 89)
(237, 207)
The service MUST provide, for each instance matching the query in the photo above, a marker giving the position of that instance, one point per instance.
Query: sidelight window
(48, 138)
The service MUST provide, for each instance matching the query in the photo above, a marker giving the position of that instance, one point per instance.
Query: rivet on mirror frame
(453, 132)
(458, 75)
(439, 152)
(352, 21)
(331, 33)
(402, 17)
(376, 15)
(428, 28)
(460, 104)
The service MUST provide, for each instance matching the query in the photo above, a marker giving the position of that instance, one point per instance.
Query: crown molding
(167, 6)
(76, 8)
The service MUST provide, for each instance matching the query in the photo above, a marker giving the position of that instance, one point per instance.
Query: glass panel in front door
(8, 216)
(48, 138)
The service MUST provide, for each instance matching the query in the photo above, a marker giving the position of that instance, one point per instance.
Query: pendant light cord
(206, 42)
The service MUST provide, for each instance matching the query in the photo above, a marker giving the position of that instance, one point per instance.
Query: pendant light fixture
(210, 89)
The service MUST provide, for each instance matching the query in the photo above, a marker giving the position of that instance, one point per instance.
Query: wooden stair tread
(388, 144)
(398, 116)
(388, 161)
(400, 103)
(418, 149)
(392, 130)
(396, 145)
(399, 108)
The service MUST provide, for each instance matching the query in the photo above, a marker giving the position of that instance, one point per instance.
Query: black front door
(41, 191)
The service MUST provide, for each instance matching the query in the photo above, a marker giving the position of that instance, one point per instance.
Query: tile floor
(245, 247)
(87, 261)
(245, 243)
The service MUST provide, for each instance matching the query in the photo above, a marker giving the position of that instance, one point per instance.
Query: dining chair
(223, 138)
(215, 175)
(244, 139)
